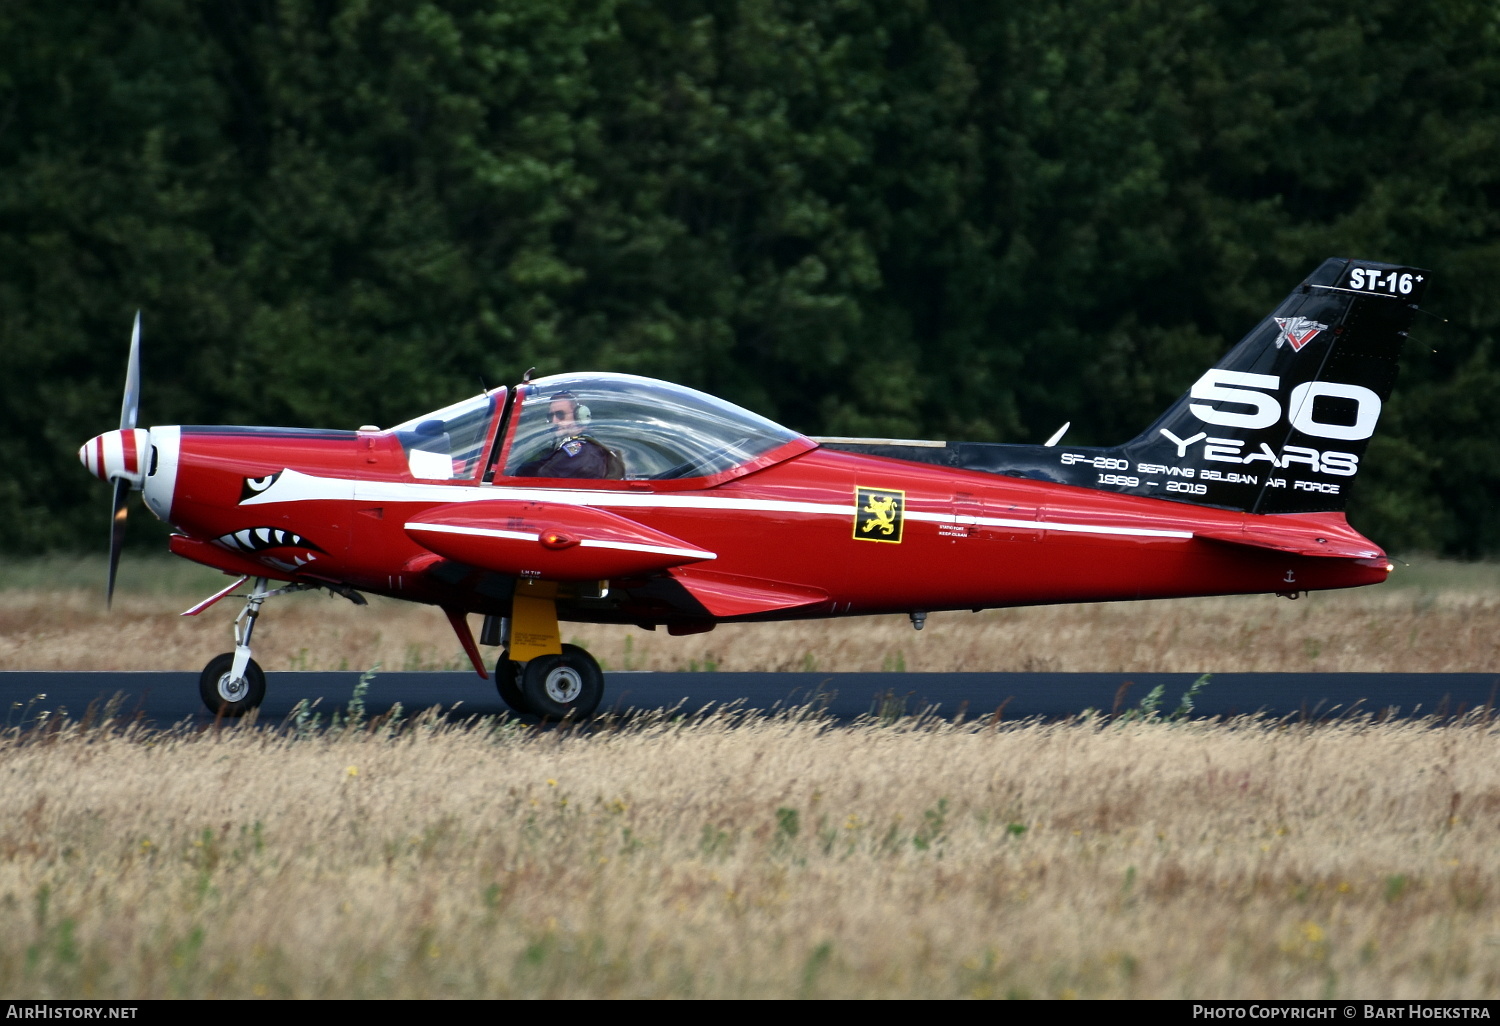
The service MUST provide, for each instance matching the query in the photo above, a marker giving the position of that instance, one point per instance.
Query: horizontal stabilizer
(1307, 535)
(551, 541)
(728, 595)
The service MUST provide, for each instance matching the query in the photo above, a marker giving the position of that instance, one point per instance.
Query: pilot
(573, 453)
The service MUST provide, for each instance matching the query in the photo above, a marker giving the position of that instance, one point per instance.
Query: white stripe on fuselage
(293, 486)
(477, 532)
(587, 543)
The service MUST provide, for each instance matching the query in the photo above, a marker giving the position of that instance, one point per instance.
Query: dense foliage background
(935, 219)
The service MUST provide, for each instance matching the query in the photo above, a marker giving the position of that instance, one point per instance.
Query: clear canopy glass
(652, 430)
(450, 443)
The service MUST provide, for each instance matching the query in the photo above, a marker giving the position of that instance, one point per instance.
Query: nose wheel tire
(567, 685)
(227, 696)
(508, 683)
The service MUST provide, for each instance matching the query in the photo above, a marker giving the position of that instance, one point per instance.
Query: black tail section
(1279, 426)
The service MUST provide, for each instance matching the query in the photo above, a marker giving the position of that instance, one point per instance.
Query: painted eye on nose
(256, 485)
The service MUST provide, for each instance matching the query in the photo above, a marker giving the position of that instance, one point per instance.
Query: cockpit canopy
(653, 431)
(659, 430)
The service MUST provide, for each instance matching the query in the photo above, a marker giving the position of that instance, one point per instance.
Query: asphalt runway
(164, 699)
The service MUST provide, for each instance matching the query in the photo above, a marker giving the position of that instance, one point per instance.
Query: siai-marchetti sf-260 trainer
(609, 498)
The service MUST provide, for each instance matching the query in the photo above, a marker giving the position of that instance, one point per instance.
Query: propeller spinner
(120, 456)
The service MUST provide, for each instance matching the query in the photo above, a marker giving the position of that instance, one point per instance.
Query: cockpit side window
(450, 444)
(605, 426)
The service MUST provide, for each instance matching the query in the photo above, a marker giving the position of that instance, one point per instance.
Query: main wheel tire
(567, 685)
(226, 697)
(508, 683)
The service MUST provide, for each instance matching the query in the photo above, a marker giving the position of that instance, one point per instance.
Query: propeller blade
(116, 535)
(132, 405)
(130, 410)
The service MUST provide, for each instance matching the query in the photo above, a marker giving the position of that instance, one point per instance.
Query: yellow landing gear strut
(536, 673)
(533, 621)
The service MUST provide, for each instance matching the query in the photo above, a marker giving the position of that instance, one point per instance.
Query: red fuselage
(334, 508)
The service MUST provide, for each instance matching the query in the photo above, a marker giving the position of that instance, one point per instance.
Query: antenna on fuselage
(1057, 435)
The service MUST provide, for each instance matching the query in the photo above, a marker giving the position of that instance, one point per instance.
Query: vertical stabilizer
(1281, 424)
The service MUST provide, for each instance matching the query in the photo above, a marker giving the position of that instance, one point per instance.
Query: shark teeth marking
(259, 539)
(296, 564)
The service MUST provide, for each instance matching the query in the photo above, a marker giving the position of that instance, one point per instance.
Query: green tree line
(961, 220)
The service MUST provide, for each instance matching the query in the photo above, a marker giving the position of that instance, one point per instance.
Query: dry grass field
(740, 855)
(1433, 617)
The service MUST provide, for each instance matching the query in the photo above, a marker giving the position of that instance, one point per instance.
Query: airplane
(612, 498)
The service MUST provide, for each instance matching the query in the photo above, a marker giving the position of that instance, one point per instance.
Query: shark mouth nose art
(261, 539)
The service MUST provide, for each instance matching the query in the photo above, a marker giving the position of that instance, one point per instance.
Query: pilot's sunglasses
(559, 414)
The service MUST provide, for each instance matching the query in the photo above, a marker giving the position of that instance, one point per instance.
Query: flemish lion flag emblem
(878, 514)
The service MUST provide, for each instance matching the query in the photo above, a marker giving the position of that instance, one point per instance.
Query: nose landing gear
(228, 692)
(232, 684)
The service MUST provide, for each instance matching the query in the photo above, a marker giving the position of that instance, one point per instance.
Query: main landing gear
(232, 684)
(569, 684)
(536, 673)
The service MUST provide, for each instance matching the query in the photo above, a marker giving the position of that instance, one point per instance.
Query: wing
(727, 595)
(548, 540)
